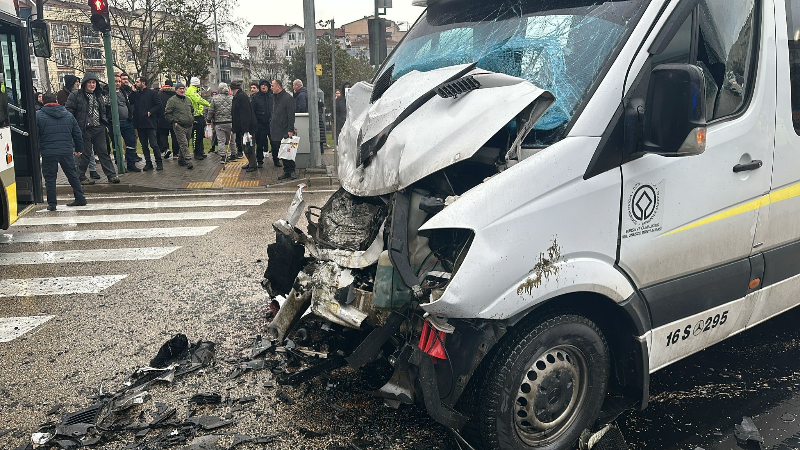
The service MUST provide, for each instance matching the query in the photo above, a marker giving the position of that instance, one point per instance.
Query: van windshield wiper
(369, 149)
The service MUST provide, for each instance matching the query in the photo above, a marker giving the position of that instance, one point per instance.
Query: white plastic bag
(209, 132)
(288, 148)
(247, 139)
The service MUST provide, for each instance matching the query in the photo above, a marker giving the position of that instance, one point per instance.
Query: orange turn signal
(701, 136)
(9, 158)
(754, 283)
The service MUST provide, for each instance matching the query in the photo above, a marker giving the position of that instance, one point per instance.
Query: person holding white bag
(244, 125)
(282, 125)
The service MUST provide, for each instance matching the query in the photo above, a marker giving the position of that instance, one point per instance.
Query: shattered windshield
(559, 45)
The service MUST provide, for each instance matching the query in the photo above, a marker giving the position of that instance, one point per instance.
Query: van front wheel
(544, 385)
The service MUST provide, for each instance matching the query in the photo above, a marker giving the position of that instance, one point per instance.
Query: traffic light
(381, 40)
(100, 19)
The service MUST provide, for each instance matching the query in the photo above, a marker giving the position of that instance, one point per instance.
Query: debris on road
(747, 433)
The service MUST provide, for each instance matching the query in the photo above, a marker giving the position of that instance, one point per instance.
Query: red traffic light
(98, 5)
(100, 18)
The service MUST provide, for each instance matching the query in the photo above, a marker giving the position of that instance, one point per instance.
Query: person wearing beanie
(262, 107)
(220, 116)
(199, 125)
(71, 82)
(180, 114)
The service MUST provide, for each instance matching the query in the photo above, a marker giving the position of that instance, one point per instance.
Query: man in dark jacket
(262, 107)
(300, 97)
(126, 126)
(146, 106)
(244, 122)
(282, 124)
(71, 82)
(165, 129)
(59, 139)
(88, 107)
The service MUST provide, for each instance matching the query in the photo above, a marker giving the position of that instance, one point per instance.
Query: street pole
(112, 91)
(333, 97)
(310, 31)
(216, 45)
(377, 35)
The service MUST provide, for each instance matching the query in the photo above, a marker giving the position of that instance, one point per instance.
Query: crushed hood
(443, 132)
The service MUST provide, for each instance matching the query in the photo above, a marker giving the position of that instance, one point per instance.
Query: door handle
(17, 130)
(752, 165)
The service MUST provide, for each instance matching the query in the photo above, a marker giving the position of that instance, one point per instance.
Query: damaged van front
(467, 245)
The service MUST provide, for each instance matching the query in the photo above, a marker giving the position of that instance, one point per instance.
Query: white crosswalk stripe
(14, 327)
(75, 256)
(164, 204)
(92, 235)
(120, 218)
(58, 285)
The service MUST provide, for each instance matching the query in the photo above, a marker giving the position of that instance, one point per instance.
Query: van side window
(679, 49)
(725, 53)
(793, 22)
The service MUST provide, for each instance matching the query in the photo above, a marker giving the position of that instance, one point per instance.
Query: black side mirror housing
(675, 111)
(40, 32)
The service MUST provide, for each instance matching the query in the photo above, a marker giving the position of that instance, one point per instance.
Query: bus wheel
(544, 385)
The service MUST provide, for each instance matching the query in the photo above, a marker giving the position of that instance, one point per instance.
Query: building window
(88, 36)
(226, 76)
(262, 36)
(288, 53)
(292, 37)
(60, 33)
(302, 36)
(63, 56)
(92, 57)
(252, 50)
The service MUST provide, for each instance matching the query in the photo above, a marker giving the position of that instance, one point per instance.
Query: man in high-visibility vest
(198, 129)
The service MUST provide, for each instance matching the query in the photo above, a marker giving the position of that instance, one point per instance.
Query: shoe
(51, 207)
(181, 162)
(260, 164)
(251, 169)
(113, 180)
(212, 151)
(246, 167)
(239, 155)
(190, 166)
(133, 169)
(277, 163)
(285, 176)
(94, 175)
(76, 203)
(159, 165)
(293, 175)
(167, 154)
(232, 158)
(148, 167)
(87, 182)
(199, 157)
(139, 159)
(222, 160)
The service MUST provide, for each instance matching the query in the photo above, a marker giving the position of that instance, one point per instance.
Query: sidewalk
(207, 174)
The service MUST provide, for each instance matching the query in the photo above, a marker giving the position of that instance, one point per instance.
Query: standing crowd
(74, 127)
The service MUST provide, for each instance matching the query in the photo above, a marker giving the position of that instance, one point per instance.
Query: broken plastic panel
(559, 46)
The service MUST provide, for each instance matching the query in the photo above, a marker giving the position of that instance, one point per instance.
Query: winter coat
(123, 107)
(198, 102)
(37, 106)
(166, 93)
(179, 110)
(244, 120)
(78, 104)
(63, 94)
(145, 101)
(59, 133)
(221, 109)
(301, 100)
(282, 116)
(262, 106)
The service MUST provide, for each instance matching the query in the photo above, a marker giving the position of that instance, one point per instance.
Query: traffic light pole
(377, 35)
(119, 149)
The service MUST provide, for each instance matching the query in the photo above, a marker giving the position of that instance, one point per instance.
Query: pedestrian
(262, 107)
(243, 122)
(126, 126)
(165, 129)
(127, 90)
(180, 114)
(282, 124)
(71, 82)
(199, 126)
(220, 116)
(39, 101)
(341, 108)
(323, 136)
(300, 97)
(88, 107)
(146, 107)
(213, 131)
(59, 139)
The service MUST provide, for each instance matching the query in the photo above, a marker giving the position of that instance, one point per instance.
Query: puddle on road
(697, 401)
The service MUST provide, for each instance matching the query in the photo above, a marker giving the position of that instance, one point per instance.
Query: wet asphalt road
(210, 289)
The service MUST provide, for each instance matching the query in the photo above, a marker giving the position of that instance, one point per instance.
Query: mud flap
(426, 377)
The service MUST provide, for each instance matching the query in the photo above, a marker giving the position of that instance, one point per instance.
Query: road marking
(75, 256)
(165, 204)
(58, 285)
(118, 218)
(14, 327)
(91, 235)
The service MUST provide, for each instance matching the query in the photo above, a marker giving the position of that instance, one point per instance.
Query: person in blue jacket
(60, 138)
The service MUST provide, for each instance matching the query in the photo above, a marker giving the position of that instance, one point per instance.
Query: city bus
(20, 165)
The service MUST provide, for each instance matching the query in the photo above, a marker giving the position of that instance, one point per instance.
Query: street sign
(319, 70)
(384, 3)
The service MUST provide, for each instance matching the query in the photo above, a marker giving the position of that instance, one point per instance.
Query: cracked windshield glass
(561, 46)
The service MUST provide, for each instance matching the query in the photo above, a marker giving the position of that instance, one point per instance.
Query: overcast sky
(261, 12)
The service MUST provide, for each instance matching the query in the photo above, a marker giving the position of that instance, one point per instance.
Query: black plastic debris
(747, 433)
(284, 397)
(308, 433)
(205, 443)
(240, 439)
(208, 423)
(206, 399)
(261, 346)
(171, 351)
(285, 259)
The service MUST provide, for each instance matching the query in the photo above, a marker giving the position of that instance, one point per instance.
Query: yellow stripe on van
(11, 194)
(780, 195)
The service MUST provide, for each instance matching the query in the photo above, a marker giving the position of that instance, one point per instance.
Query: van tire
(565, 353)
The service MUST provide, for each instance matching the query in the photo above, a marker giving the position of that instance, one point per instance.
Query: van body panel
(506, 271)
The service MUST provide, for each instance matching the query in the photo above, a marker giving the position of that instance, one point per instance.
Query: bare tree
(267, 63)
(139, 24)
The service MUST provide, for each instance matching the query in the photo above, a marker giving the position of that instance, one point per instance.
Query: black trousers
(147, 136)
(50, 173)
(96, 138)
(163, 140)
(262, 142)
(288, 165)
(199, 133)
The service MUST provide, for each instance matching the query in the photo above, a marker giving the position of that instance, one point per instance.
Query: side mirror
(40, 32)
(675, 112)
